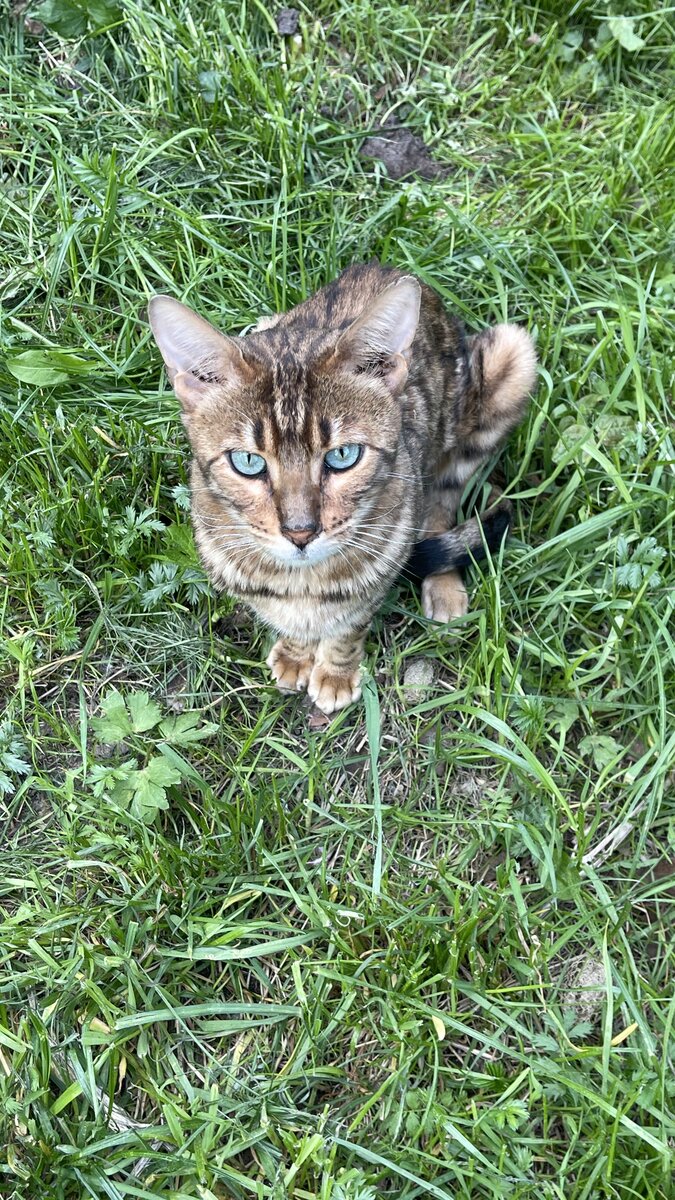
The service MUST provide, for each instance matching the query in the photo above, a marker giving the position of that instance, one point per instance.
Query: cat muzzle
(301, 536)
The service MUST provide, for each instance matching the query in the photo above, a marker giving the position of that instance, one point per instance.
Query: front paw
(444, 598)
(291, 668)
(332, 690)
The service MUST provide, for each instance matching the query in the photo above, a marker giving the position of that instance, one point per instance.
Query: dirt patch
(403, 154)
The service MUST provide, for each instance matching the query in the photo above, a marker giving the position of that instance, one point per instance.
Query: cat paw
(444, 599)
(291, 670)
(266, 323)
(333, 690)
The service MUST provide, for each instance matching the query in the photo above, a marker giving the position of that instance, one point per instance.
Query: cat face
(296, 437)
(300, 488)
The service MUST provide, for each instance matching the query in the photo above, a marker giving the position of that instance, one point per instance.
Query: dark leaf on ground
(403, 153)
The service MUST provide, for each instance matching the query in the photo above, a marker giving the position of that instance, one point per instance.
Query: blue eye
(343, 457)
(246, 463)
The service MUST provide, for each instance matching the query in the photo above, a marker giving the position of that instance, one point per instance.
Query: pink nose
(301, 536)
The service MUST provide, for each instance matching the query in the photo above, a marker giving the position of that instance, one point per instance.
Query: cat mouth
(289, 555)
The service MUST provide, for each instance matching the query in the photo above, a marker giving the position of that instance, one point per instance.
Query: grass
(427, 950)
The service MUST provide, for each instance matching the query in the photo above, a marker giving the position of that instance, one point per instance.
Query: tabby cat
(331, 448)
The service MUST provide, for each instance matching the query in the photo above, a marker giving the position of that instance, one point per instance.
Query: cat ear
(196, 355)
(383, 335)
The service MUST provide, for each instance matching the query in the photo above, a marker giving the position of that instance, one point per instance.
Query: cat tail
(461, 546)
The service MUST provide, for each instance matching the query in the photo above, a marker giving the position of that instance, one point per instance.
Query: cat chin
(288, 555)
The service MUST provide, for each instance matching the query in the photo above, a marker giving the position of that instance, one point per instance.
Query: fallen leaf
(623, 29)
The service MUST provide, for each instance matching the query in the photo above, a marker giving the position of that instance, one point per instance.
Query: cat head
(294, 429)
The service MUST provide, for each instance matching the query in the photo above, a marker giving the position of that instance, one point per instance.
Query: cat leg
(335, 681)
(444, 597)
(291, 664)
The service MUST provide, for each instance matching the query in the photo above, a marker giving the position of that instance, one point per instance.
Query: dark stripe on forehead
(289, 371)
(308, 428)
(259, 434)
(291, 394)
(324, 430)
(273, 429)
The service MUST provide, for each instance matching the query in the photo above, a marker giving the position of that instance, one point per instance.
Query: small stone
(287, 21)
(104, 750)
(317, 721)
(588, 989)
(418, 679)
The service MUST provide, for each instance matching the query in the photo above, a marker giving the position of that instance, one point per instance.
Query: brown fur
(372, 359)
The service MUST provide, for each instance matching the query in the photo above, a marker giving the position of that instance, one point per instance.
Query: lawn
(425, 948)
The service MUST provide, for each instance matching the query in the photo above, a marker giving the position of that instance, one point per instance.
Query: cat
(331, 447)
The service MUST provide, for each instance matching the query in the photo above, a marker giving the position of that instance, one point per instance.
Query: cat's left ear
(196, 355)
(383, 335)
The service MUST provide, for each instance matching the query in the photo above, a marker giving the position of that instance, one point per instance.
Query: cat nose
(300, 535)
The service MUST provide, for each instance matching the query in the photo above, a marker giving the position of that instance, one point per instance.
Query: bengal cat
(331, 447)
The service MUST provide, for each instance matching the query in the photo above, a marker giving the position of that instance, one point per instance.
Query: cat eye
(246, 463)
(343, 456)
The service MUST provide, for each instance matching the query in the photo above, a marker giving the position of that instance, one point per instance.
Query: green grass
(241, 956)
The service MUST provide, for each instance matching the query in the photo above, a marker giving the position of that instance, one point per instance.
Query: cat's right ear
(198, 358)
(382, 337)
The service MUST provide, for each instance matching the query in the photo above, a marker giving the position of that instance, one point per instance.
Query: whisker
(377, 554)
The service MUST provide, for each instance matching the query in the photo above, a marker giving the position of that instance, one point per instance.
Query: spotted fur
(372, 359)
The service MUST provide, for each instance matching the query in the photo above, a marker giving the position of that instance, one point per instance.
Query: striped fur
(372, 359)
